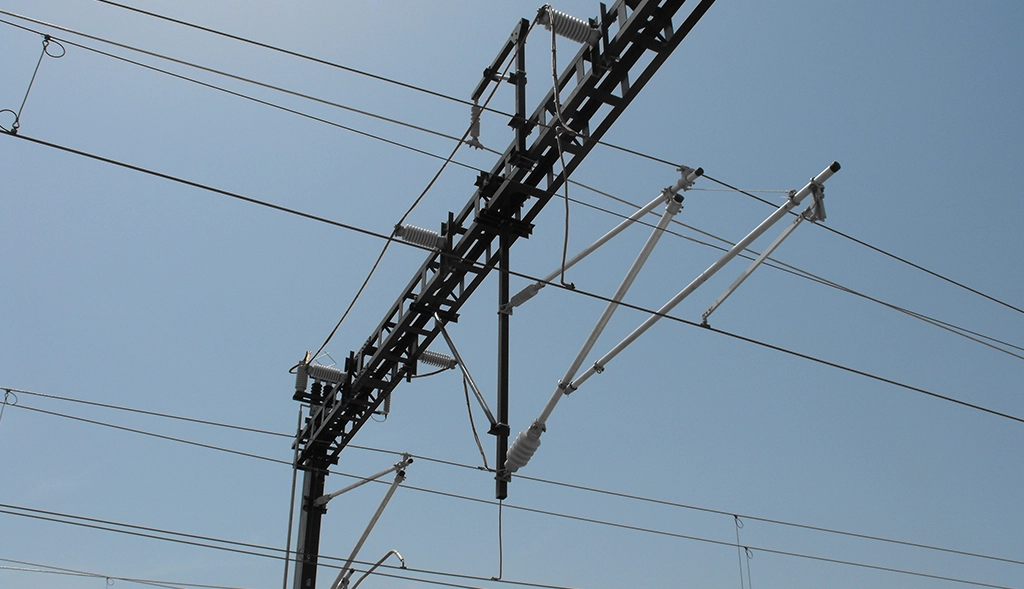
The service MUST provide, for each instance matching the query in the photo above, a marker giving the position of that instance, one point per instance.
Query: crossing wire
(251, 549)
(579, 291)
(957, 330)
(423, 129)
(447, 97)
(491, 470)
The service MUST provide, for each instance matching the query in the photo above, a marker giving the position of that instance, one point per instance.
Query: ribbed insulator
(325, 373)
(568, 26)
(436, 359)
(523, 448)
(301, 378)
(420, 236)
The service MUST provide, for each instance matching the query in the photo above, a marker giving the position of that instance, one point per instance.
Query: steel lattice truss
(601, 81)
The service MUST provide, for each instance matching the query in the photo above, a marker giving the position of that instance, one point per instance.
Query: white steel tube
(760, 259)
(685, 181)
(564, 386)
(346, 569)
(736, 249)
(323, 499)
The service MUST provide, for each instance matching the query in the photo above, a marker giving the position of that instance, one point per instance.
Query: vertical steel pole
(502, 430)
(308, 551)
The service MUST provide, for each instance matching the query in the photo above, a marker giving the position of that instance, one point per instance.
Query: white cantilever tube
(346, 570)
(527, 442)
(782, 211)
(686, 180)
(753, 266)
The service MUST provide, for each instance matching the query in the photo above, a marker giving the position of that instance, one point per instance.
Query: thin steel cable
(231, 76)
(146, 412)
(584, 488)
(292, 53)
(389, 238)
(429, 185)
(949, 327)
(739, 557)
(578, 518)
(56, 569)
(43, 53)
(707, 540)
(472, 424)
(790, 269)
(291, 504)
(152, 434)
(603, 492)
(133, 530)
(750, 556)
(883, 252)
(835, 365)
(237, 547)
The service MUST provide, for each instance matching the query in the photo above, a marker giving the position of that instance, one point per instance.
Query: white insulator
(437, 359)
(301, 378)
(325, 373)
(523, 448)
(420, 236)
(568, 26)
(526, 294)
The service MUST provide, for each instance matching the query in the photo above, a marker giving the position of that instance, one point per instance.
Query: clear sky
(135, 291)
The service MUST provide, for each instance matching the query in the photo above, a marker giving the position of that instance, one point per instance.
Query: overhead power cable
(45, 568)
(617, 494)
(153, 413)
(289, 53)
(963, 332)
(272, 552)
(244, 548)
(229, 75)
(440, 95)
(879, 250)
(422, 129)
(579, 291)
(826, 227)
(750, 254)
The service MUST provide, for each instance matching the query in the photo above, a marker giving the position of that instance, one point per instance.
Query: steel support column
(502, 429)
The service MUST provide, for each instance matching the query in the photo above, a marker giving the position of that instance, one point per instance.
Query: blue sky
(129, 290)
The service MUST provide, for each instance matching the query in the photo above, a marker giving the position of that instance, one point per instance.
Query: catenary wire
(153, 582)
(963, 332)
(749, 254)
(926, 270)
(249, 549)
(582, 292)
(292, 53)
(244, 548)
(616, 147)
(617, 494)
(938, 323)
(880, 251)
(232, 76)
